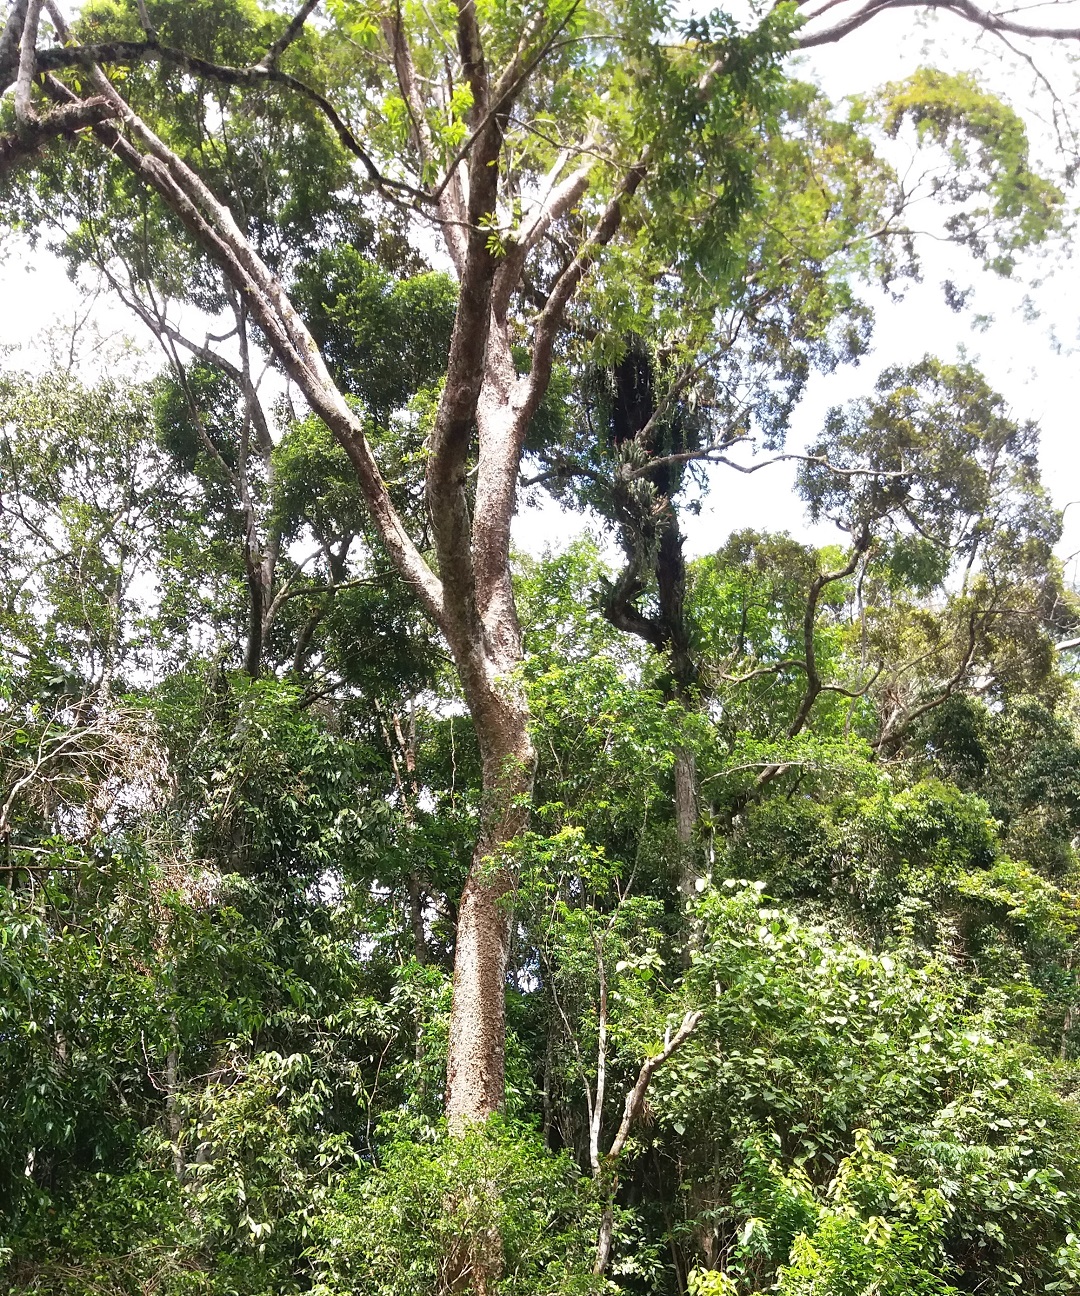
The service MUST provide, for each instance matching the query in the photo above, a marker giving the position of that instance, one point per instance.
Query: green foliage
(273, 155)
(973, 1153)
(228, 900)
(222, 1017)
(384, 337)
(1023, 759)
(868, 853)
(392, 1227)
(270, 791)
(710, 1282)
(942, 445)
(84, 489)
(877, 1232)
(1002, 204)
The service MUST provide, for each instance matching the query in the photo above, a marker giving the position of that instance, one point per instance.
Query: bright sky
(1037, 374)
(1033, 363)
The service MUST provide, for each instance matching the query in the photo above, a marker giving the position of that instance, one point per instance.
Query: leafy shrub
(392, 1227)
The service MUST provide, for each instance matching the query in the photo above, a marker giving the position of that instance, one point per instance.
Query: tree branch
(127, 53)
(715, 455)
(900, 721)
(65, 120)
(25, 115)
(10, 41)
(964, 9)
(550, 318)
(636, 1096)
(291, 32)
(217, 233)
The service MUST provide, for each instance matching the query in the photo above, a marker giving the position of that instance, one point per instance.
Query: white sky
(1018, 355)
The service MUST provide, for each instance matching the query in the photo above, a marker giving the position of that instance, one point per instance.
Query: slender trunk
(260, 562)
(416, 918)
(336, 560)
(407, 746)
(606, 1168)
(172, 1114)
(685, 795)
(653, 537)
(256, 609)
(1070, 1012)
(403, 762)
(686, 814)
(605, 1174)
(606, 1233)
(549, 1075)
(111, 648)
(307, 635)
(671, 591)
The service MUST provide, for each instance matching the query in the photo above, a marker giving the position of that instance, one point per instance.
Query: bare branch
(776, 668)
(707, 455)
(964, 9)
(636, 1096)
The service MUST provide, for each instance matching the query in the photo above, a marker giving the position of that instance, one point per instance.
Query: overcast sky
(1034, 362)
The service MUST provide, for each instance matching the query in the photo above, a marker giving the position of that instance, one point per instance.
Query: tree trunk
(653, 538)
(686, 813)
(172, 1113)
(476, 1049)
(605, 1234)
(257, 604)
(475, 1067)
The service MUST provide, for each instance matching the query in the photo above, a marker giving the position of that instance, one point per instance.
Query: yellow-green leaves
(1000, 204)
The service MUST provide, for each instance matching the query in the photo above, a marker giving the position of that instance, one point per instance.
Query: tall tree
(651, 158)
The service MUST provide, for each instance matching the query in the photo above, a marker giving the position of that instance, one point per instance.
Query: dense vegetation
(773, 851)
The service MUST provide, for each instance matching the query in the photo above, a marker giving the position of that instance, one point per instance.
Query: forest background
(388, 911)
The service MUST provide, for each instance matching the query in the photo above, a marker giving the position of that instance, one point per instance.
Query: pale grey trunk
(686, 814)
(172, 1112)
(605, 1236)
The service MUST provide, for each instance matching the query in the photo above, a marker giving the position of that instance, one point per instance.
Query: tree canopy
(385, 910)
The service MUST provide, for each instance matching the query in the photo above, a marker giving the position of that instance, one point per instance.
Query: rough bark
(475, 1073)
